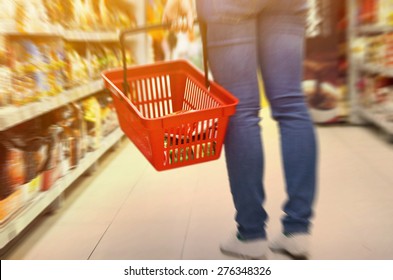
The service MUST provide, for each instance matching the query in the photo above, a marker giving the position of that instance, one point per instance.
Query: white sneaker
(255, 249)
(295, 245)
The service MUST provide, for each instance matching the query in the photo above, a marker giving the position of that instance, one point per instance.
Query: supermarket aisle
(126, 210)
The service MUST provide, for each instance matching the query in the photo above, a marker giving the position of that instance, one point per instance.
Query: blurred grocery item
(92, 116)
(325, 62)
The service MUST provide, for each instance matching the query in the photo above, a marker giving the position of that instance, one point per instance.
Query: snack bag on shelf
(53, 10)
(66, 14)
(94, 66)
(35, 16)
(20, 16)
(91, 15)
(98, 61)
(53, 65)
(102, 59)
(104, 16)
(92, 116)
(76, 68)
(121, 13)
(111, 58)
(30, 72)
(84, 15)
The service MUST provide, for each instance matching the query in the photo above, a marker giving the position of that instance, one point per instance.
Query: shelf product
(325, 61)
(371, 73)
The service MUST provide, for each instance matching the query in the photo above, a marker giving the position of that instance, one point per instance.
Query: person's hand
(180, 14)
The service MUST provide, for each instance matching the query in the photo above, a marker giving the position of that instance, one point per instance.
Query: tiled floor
(127, 210)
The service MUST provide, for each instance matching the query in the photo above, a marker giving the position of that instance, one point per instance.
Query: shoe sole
(241, 256)
(289, 254)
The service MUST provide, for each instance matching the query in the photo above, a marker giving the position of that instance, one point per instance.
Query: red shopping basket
(168, 112)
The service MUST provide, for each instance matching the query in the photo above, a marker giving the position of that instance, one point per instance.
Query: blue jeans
(242, 37)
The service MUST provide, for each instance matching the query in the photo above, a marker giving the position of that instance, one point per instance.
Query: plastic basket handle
(146, 28)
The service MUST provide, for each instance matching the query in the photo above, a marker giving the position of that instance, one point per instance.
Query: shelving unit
(14, 115)
(361, 114)
(25, 215)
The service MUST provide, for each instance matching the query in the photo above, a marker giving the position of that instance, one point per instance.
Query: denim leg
(281, 42)
(233, 63)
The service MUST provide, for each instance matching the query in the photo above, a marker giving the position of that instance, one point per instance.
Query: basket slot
(152, 96)
(195, 98)
(169, 92)
(139, 93)
(159, 96)
(164, 93)
(142, 102)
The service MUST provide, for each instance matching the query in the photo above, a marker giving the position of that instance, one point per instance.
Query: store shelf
(48, 30)
(20, 220)
(376, 69)
(13, 115)
(44, 29)
(70, 35)
(374, 29)
(377, 119)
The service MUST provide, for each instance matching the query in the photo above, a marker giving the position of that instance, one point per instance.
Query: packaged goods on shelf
(376, 94)
(76, 69)
(31, 189)
(89, 15)
(325, 62)
(20, 180)
(70, 136)
(121, 13)
(31, 16)
(367, 11)
(80, 128)
(104, 57)
(375, 12)
(108, 114)
(98, 61)
(11, 204)
(92, 116)
(52, 168)
(375, 50)
(37, 69)
(12, 168)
